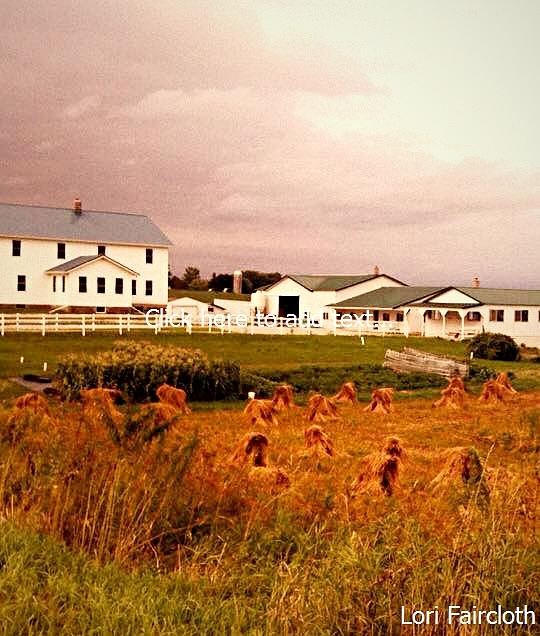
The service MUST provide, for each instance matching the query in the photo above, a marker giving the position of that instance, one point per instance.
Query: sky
(321, 136)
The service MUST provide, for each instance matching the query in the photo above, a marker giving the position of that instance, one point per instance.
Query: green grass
(250, 351)
(256, 352)
(279, 581)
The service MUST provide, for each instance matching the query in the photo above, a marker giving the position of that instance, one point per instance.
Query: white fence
(125, 323)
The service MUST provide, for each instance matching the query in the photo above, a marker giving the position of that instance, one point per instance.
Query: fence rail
(124, 323)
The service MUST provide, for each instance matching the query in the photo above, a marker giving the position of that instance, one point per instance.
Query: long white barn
(80, 260)
(443, 311)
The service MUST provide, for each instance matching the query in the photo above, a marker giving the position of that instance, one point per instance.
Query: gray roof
(19, 221)
(74, 263)
(488, 296)
(388, 297)
(393, 297)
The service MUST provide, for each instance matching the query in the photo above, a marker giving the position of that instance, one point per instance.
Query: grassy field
(257, 352)
(101, 534)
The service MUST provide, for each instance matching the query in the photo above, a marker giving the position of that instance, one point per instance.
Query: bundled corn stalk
(382, 469)
(261, 411)
(252, 449)
(318, 442)
(174, 397)
(503, 380)
(462, 466)
(252, 453)
(347, 393)
(283, 397)
(381, 401)
(158, 412)
(453, 395)
(320, 408)
(497, 390)
(32, 402)
(99, 403)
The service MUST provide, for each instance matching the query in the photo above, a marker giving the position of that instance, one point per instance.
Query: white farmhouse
(81, 260)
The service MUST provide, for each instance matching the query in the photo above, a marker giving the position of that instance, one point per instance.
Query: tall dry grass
(317, 555)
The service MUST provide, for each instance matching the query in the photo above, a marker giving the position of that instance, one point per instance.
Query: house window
(386, 317)
(61, 250)
(375, 315)
(134, 287)
(433, 314)
(325, 315)
(63, 283)
(119, 286)
(149, 255)
(54, 283)
(100, 285)
(496, 315)
(148, 290)
(83, 286)
(521, 315)
(15, 248)
(399, 316)
(101, 250)
(21, 282)
(474, 316)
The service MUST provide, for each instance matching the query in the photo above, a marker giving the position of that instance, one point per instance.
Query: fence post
(56, 323)
(17, 322)
(43, 325)
(120, 324)
(93, 322)
(129, 322)
(83, 325)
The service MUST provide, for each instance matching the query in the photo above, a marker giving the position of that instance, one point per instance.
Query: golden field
(309, 549)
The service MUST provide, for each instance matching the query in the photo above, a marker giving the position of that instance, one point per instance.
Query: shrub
(494, 346)
(139, 368)
(263, 387)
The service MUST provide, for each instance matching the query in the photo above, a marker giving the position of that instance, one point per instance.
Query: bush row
(139, 368)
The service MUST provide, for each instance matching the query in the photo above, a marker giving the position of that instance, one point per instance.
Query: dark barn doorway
(289, 305)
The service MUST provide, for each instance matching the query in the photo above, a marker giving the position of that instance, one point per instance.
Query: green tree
(191, 274)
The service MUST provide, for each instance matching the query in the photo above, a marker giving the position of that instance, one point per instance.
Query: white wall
(236, 307)
(39, 255)
(316, 301)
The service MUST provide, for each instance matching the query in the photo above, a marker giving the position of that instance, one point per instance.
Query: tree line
(251, 280)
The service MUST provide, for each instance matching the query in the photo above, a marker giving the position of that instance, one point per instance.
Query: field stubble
(314, 555)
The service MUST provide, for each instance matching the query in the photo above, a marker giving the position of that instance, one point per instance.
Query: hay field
(174, 535)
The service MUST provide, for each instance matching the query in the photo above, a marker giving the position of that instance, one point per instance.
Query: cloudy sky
(318, 136)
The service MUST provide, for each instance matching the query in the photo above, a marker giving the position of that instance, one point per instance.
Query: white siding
(39, 255)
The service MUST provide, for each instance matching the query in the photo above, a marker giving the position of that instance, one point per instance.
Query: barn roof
(327, 282)
(388, 297)
(393, 297)
(492, 296)
(30, 221)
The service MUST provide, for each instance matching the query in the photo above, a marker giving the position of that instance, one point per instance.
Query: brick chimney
(77, 206)
(476, 282)
(376, 270)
